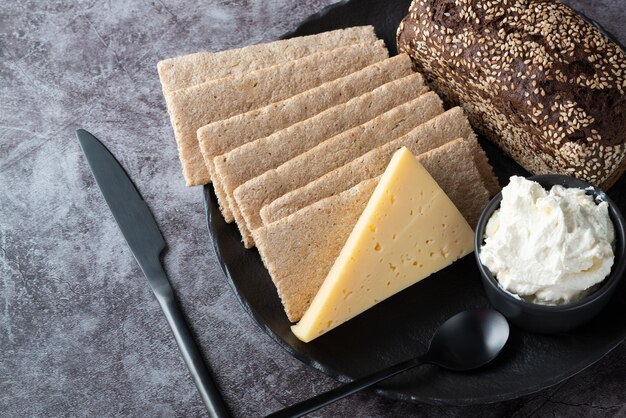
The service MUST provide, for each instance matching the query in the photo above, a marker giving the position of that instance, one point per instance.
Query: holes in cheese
(408, 230)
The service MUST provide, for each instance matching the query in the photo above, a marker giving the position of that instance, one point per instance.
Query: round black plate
(400, 327)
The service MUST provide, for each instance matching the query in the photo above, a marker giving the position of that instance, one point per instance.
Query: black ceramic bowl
(560, 318)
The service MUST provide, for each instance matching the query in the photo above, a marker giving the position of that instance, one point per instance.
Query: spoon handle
(348, 389)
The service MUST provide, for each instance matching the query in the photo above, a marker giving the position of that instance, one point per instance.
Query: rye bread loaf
(331, 154)
(189, 70)
(299, 250)
(196, 106)
(223, 136)
(430, 135)
(254, 158)
(533, 76)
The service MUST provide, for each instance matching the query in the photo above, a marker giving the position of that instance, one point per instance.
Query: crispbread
(254, 158)
(486, 170)
(292, 248)
(432, 134)
(189, 70)
(300, 249)
(222, 136)
(196, 106)
(331, 154)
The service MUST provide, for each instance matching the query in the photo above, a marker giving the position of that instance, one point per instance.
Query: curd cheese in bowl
(548, 247)
(557, 247)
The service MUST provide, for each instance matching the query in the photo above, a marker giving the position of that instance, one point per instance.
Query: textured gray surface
(80, 331)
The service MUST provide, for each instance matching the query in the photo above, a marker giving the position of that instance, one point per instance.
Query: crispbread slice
(331, 154)
(290, 247)
(486, 170)
(300, 249)
(432, 134)
(196, 106)
(189, 70)
(254, 158)
(222, 136)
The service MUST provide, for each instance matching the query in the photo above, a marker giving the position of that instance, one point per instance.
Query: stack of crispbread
(293, 134)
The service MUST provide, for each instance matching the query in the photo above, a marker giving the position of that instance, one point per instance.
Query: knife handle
(199, 372)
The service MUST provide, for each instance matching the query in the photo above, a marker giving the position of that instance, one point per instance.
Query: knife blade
(146, 242)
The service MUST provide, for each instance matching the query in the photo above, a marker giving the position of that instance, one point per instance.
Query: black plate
(400, 327)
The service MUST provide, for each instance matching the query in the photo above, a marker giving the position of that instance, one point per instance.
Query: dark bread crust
(532, 75)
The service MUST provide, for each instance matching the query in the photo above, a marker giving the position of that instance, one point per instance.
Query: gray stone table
(80, 331)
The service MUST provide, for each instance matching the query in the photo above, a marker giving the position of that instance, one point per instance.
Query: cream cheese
(548, 247)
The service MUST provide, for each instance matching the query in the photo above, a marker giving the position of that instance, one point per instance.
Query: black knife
(146, 242)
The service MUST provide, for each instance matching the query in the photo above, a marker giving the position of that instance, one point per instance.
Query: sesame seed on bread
(533, 76)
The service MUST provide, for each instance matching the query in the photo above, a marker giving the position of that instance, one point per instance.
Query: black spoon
(466, 341)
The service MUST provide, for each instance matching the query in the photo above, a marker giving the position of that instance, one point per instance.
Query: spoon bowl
(468, 340)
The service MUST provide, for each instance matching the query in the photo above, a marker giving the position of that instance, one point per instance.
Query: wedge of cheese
(408, 230)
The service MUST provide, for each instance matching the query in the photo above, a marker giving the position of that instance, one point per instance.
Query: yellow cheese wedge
(408, 230)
